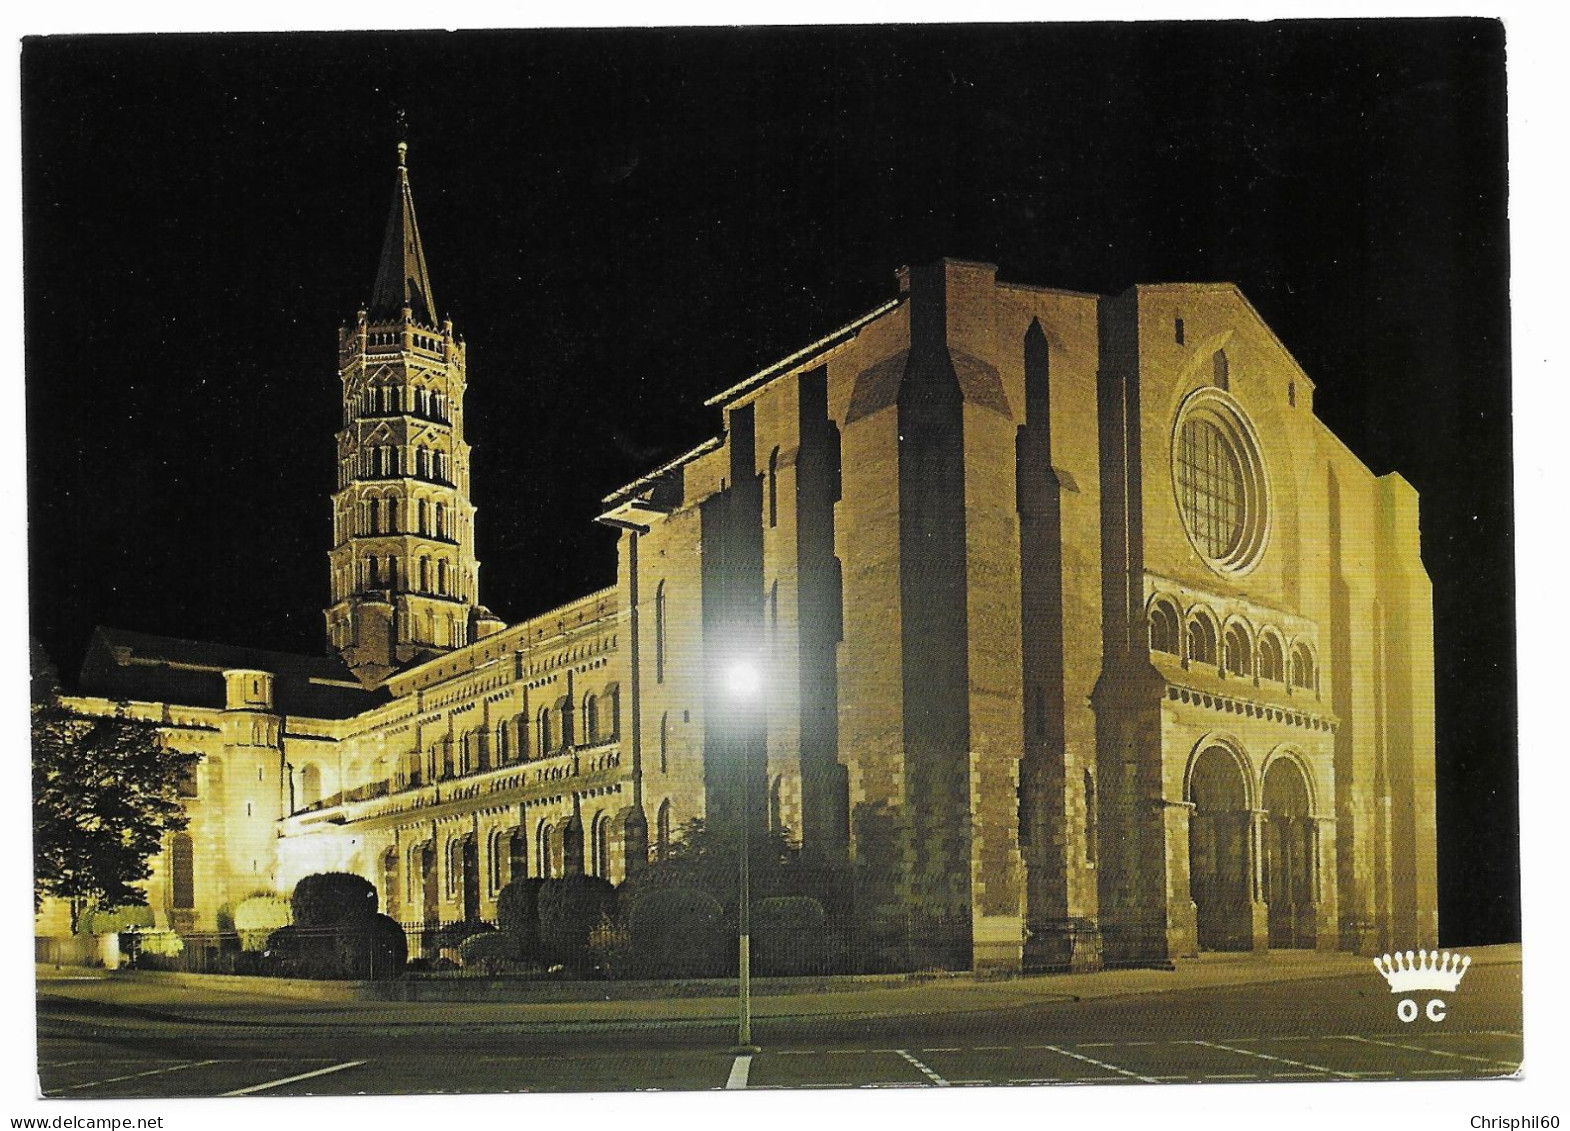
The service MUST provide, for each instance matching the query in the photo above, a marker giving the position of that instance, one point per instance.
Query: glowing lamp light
(743, 680)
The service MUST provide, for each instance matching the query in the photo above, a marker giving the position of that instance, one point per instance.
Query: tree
(105, 793)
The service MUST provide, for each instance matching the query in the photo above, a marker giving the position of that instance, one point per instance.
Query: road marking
(923, 1069)
(1095, 1044)
(1280, 1060)
(1231, 1076)
(991, 1048)
(135, 1075)
(1436, 1072)
(940, 1050)
(797, 1052)
(738, 1073)
(1037, 1080)
(1101, 1064)
(1435, 1052)
(291, 1079)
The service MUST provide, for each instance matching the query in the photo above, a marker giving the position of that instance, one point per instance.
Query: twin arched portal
(1251, 844)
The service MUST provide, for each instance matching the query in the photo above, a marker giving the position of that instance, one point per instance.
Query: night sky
(622, 224)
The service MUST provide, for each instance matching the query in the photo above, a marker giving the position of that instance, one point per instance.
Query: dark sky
(624, 223)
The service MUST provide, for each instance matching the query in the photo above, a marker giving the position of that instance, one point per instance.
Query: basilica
(1055, 618)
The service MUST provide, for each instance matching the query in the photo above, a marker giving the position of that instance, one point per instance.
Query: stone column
(1258, 911)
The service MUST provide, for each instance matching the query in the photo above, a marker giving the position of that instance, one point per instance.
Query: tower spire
(402, 280)
(404, 576)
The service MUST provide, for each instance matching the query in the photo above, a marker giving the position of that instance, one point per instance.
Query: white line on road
(1102, 1064)
(134, 1075)
(1435, 1052)
(738, 1073)
(1280, 1060)
(291, 1079)
(923, 1069)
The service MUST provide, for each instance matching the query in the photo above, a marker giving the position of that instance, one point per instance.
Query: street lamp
(743, 685)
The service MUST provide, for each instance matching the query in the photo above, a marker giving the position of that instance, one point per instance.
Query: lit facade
(1080, 640)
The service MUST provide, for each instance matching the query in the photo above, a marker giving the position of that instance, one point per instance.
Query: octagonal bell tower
(404, 576)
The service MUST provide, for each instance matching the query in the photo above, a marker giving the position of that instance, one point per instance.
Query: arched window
(1222, 370)
(774, 477)
(425, 516)
(517, 855)
(599, 847)
(441, 520)
(542, 850)
(1201, 640)
(182, 872)
(665, 720)
(659, 633)
(503, 743)
(425, 575)
(441, 576)
(422, 462)
(543, 731)
(591, 719)
(1272, 664)
(310, 786)
(1092, 829)
(394, 514)
(1163, 628)
(1302, 667)
(662, 831)
(1238, 654)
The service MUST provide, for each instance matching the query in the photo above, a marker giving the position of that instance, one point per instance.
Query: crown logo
(1429, 970)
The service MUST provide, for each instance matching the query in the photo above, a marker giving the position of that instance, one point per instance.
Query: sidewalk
(213, 1002)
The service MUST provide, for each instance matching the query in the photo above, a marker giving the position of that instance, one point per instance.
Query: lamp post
(743, 683)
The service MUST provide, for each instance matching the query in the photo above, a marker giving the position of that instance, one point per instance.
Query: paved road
(101, 1039)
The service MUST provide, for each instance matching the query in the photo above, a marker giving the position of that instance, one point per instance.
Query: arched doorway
(1218, 851)
(430, 888)
(471, 879)
(1290, 844)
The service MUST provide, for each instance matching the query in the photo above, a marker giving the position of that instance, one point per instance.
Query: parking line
(1102, 1064)
(738, 1073)
(923, 1069)
(135, 1075)
(1280, 1060)
(254, 1088)
(1435, 1052)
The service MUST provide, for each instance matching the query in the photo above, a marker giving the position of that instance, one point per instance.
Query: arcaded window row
(1235, 648)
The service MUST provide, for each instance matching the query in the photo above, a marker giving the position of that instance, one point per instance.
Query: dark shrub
(517, 907)
(569, 909)
(788, 936)
(374, 947)
(453, 935)
(431, 965)
(495, 952)
(329, 898)
(678, 932)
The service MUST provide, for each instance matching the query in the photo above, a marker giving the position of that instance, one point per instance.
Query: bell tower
(403, 572)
